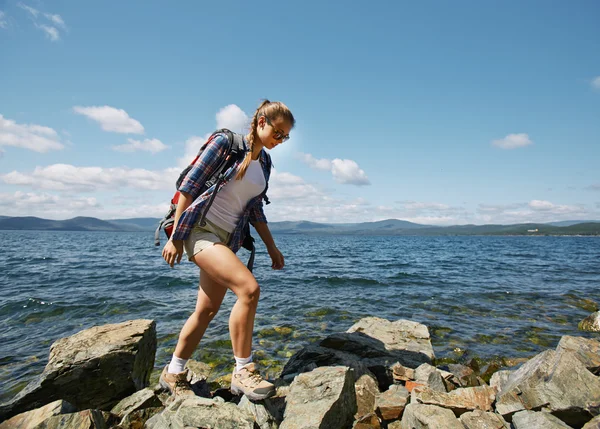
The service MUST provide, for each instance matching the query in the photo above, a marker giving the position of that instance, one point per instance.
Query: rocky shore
(377, 374)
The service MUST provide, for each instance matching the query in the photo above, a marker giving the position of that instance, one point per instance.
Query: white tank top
(229, 204)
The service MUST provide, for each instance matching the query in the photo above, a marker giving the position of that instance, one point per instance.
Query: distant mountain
(384, 227)
(571, 222)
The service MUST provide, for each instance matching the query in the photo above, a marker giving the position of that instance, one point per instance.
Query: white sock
(240, 362)
(177, 365)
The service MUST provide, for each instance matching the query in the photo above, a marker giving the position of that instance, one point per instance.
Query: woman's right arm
(173, 250)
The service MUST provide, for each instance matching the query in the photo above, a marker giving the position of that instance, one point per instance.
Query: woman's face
(273, 132)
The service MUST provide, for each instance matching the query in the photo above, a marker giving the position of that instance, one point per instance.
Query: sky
(434, 112)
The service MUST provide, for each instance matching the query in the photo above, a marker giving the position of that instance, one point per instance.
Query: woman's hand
(173, 251)
(276, 257)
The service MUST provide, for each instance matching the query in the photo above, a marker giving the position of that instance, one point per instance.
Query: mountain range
(384, 227)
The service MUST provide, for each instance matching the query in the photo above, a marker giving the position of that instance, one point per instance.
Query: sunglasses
(279, 135)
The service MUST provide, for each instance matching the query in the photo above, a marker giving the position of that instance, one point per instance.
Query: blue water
(479, 296)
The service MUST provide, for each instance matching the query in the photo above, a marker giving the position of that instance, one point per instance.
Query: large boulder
(322, 398)
(92, 369)
(424, 416)
(586, 349)
(557, 381)
(478, 419)
(32, 418)
(537, 420)
(459, 401)
(591, 323)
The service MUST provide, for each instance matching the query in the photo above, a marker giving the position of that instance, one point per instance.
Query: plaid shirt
(194, 184)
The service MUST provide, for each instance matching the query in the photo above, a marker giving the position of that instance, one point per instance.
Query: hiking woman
(212, 247)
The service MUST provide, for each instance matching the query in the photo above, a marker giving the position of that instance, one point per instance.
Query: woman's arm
(173, 250)
(265, 234)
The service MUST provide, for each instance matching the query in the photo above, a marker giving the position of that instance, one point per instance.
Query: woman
(212, 247)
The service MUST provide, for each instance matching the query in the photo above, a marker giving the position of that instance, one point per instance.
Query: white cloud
(45, 205)
(596, 83)
(34, 12)
(56, 19)
(3, 21)
(594, 187)
(51, 32)
(111, 119)
(148, 145)
(33, 137)
(47, 27)
(64, 177)
(547, 206)
(232, 118)
(513, 141)
(345, 171)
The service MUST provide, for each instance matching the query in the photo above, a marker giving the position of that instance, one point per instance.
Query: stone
(557, 381)
(93, 369)
(411, 385)
(87, 419)
(138, 418)
(466, 376)
(369, 421)
(260, 412)
(590, 323)
(367, 390)
(402, 373)
(423, 416)
(32, 418)
(479, 419)
(537, 420)
(145, 398)
(459, 401)
(592, 424)
(324, 397)
(586, 349)
(500, 378)
(390, 404)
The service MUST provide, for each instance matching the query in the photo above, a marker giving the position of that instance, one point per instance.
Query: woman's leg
(210, 297)
(225, 269)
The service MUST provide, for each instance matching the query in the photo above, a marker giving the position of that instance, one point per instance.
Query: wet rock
(537, 420)
(499, 379)
(390, 404)
(367, 390)
(196, 412)
(32, 418)
(590, 323)
(429, 417)
(586, 349)
(324, 397)
(479, 419)
(145, 398)
(557, 381)
(459, 401)
(93, 369)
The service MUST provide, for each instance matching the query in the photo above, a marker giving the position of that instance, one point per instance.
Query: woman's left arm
(265, 234)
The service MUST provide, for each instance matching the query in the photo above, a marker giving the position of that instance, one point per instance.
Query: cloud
(345, 171)
(148, 145)
(232, 118)
(47, 22)
(111, 119)
(513, 141)
(535, 211)
(45, 205)
(594, 187)
(596, 83)
(65, 177)
(3, 21)
(33, 137)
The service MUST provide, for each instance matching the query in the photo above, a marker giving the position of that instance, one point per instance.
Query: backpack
(234, 151)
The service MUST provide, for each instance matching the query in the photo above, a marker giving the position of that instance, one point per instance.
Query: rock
(87, 419)
(366, 391)
(390, 404)
(459, 401)
(324, 397)
(261, 414)
(586, 349)
(423, 416)
(145, 398)
(479, 419)
(93, 369)
(499, 378)
(488, 370)
(32, 418)
(592, 424)
(537, 420)
(411, 385)
(557, 381)
(137, 419)
(402, 373)
(369, 421)
(466, 376)
(590, 323)
(197, 412)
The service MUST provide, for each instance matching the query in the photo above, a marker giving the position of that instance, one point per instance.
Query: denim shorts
(202, 237)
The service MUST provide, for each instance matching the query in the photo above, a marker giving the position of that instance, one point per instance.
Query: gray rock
(369, 421)
(592, 424)
(87, 419)
(478, 419)
(322, 398)
(197, 412)
(262, 416)
(466, 376)
(145, 398)
(421, 416)
(366, 391)
(93, 369)
(459, 401)
(402, 373)
(537, 420)
(137, 419)
(500, 378)
(590, 323)
(556, 380)
(390, 404)
(586, 349)
(32, 418)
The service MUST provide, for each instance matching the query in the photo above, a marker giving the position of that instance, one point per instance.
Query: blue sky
(433, 112)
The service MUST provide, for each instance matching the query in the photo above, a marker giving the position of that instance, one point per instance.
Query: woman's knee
(206, 312)
(249, 292)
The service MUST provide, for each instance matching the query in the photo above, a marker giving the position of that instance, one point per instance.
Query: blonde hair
(272, 110)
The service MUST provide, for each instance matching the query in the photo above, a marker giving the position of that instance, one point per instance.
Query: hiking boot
(249, 382)
(177, 384)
